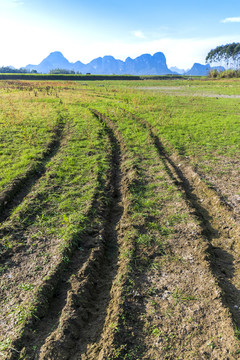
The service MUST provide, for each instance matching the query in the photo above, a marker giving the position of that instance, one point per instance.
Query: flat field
(119, 219)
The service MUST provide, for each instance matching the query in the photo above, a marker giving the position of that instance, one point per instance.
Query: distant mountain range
(202, 70)
(145, 64)
(177, 70)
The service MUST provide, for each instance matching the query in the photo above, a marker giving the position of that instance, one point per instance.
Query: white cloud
(139, 34)
(231, 20)
(17, 2)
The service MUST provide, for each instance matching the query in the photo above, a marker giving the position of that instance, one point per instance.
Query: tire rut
(218, 227)
(219, 224)
(21, 186)
(78, 312)
(52, 296)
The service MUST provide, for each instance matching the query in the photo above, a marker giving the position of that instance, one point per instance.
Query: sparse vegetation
(228, 74)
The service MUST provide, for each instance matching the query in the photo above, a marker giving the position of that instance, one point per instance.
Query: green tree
(61, 71)
(228, 54)
(10, 70)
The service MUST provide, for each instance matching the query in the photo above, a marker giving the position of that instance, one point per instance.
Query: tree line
(228, 55)
(10, 70)
(63, 71)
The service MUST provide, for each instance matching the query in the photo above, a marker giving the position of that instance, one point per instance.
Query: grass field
(119, 219)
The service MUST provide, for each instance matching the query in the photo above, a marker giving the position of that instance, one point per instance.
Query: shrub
(224, 74)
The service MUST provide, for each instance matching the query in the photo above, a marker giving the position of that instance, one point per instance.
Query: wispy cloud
(231, 20)
(16, 3)
(139, 34)
(11, 3)
(180, 52)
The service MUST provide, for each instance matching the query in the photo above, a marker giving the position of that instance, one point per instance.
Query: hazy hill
(176, 70)
(53, 61)
(199, 69)
(145, 64)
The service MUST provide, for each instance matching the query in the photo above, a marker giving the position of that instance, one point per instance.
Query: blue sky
(85, 29)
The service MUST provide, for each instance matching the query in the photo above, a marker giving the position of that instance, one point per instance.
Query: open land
(119, 219)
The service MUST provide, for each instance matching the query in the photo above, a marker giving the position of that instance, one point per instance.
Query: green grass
(26, 127)
(74, 174)
(154, 218)
(50, 223)
(187, 120)
(52, 220)
(197, 127)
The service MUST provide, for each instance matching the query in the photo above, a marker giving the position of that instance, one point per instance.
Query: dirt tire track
(52, 293)
(214, 234)
(113, 335)
(129, 338)
(219, 224)
(85, 309)
(83, 325)
(123, 332)
(96, 338)
(21, 186)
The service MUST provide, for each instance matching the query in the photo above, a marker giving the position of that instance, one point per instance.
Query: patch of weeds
(38, 268)
(7, 244)
(171, 258)
(130, 285)
(176, 219)
(114, 326)
(237, 331)
(4, 345)
(155, 265)
(179, 296)
(127, 254)
(3, 269)
(152, 291)
(117, 352)
(66, 259)
(212, 345)
(21, 313)
(26, 287)
(146, 240)
(162, 229)
(155, 331)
